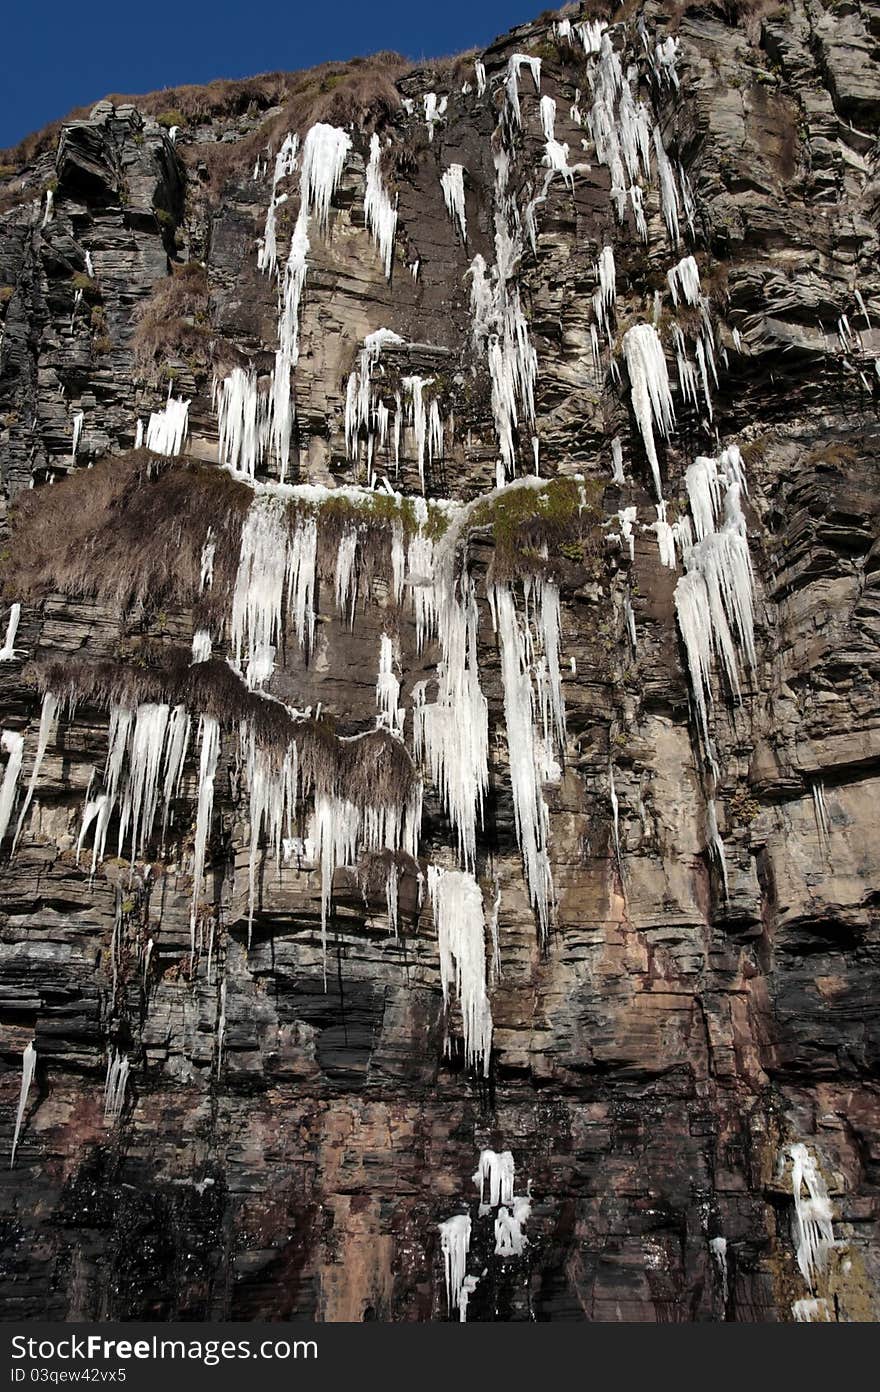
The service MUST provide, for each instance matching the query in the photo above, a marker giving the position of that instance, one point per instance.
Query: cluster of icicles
(498, 1204)
(274, 594)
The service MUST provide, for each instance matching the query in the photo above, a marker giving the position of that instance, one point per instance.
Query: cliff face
(675, 927)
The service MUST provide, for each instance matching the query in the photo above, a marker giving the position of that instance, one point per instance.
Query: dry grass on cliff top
(130, 530)
(371, 770)
(361, 90)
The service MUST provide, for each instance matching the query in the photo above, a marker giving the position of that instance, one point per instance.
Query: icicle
(77, 432)
(480, 71)
(141, 794)
(651, 397)
(452, 732)
(495, 1173)
(201, 645)
(139, 434)
(209, 739)
(615, 814)
(90, 266)
(458, 915)
(434, 109)
(48, 718)
(323, 159)
(7, 652)
(510, 1240)
(167, 429)
(336, 830)
(49, 209)
(28, 1065)
(273, 794)
(514, 67)
(380, 212)
(813, 1231)
(668, 195)
(114, 1086)
(603, 299)
(455, 1241)
(452, 183)
(547, 111)
(244, 421)
(684, 279)
(530, 809)
(388, 689)
(617, 461)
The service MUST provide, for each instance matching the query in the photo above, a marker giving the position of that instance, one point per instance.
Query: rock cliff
(456, 740)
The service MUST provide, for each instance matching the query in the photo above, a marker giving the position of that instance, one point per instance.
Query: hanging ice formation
(7, 652)
(48, 718)
(604, 296)
(28, 1065)
(167, 429)
(434, 110)
(455, 1242)
(115, 1085)
(321, 164)
(684, 280)
(244, 420)
(12, 743)
(514, 68)
(153, 742)
(651, 397)
(457, 904)
(714, 598)
(452, 732)
(77, 432)
(812, 1230)
(388, 689)
(531, 813)
(500, 325)
(273, 786)
(452, 182)
(495, 1177)
(275, 564)
(380, 212)
(364, 409)
(209, 741)
(510, 1240)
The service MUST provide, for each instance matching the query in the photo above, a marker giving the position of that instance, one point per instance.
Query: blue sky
(61, 55)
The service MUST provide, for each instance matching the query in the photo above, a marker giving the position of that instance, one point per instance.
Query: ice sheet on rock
(510, 1240)
(457, 905)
